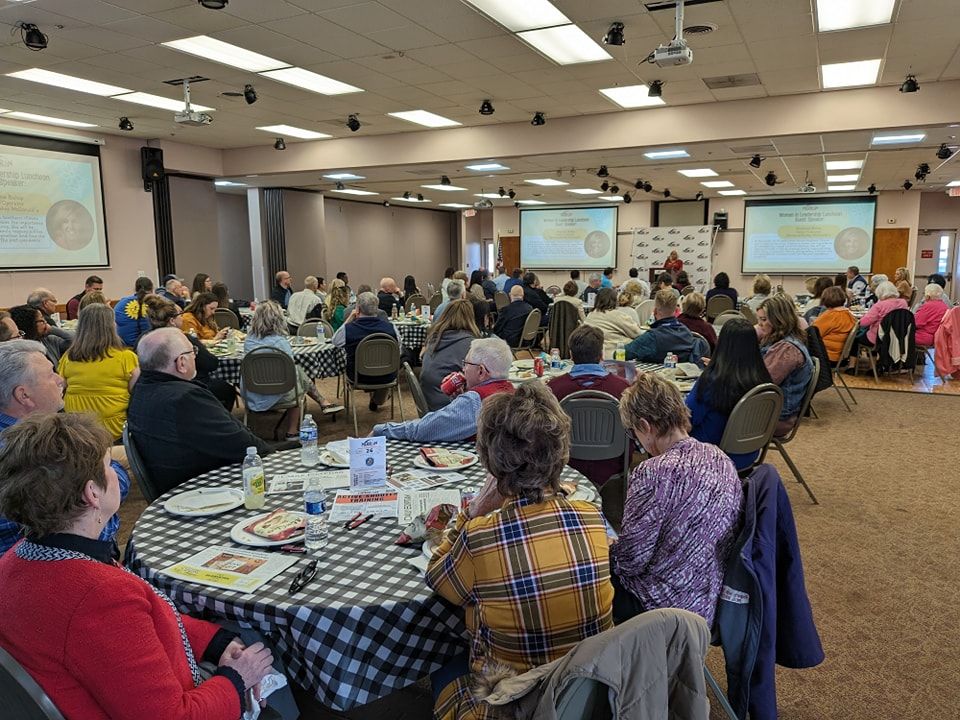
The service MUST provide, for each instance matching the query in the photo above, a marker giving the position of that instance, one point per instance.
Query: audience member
(512, 318)
(475, 285)
(905, 289)
(30, 386)
(361, 289)
(321, 288)
(365, 320)
(342, 277)
(682, 512)
(840, 280)
(812, 308)
(673, 264)
(447, 277)
(198, 318)
(501, 279)
(627, 303)
(902, 274)
(100, 371)
(784, 349)
(534, 295)
(835, 321)
(593, 287)
(937, 279)
(302, 302)
(606, 281)
(389, 296)
(721, 286)
(281, 292)
(485, 370)
(888, 300)
(513, 280)
(735, 368)
(93, 283)
(666, 334)
(455, 291)
(640, 289)
(581, 285)
(587, 373)
(619, 328)
(870, 295)
(664, 282)
(94, 298)
(222, 293)
(445, 348)
(46, 302)
(682, 282)
(855, 282)
(8, 328)
(337, 303)
(31, 326)
(694, 306)
(202, 283)
(570, 295)
(130, 313)
(410, 289)
(929, 315)
(172, 290)
(523, 441)
(761, 291)
(489, 286)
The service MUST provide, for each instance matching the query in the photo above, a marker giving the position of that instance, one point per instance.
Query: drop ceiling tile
(909, 36)
(928, 64)
(469, 70)
(692, 97)
(862, 44)
(739, 93)
(258, 11)
(148, 7)
(407, 37)
(323, 34)
(366, 17)
(104, 39)
(301, 54)
(504, 44)
(522, 60)
(147, 28)
(90, 11)
(390, 63)
(420, 76)
(785, 53)
(444, 54)
(448, 88)
(709, 57)
(12, 14)
(196, 20)
(553, 74)
(136, 66)
(784, 82)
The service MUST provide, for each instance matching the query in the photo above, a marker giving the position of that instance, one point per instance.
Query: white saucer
(204, 502)
(241, 536)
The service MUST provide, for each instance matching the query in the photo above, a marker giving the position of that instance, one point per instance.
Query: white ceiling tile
(441, 55)
(366, 17)
(32, 13)
(469, 70)
(784, 82)
(258, 11)
(739, 93)
(318, 32)
(90, 11)
(453, 21)
(504, 44)
(862, 44)
(783, 53)
(406, 37)
(197, 20)
(147, 28)
(419, 76)
(105, 39)
(148, 7)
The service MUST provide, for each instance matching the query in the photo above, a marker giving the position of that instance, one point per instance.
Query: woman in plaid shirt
(530, 567)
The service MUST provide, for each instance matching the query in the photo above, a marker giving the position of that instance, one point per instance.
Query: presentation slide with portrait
(808, 236)
(564, 238)
(51, 209)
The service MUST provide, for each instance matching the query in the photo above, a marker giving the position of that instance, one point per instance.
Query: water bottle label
(257, 484)
(308, 434)
(315, 508)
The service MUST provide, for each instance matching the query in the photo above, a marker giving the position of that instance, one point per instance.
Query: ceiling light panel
(158, 101)
(565, 44)
(843, 164)
(354, 191)
(850, 74)
(454, 205)
(292, 131)
(698, 172)
(422, 117)
(611, 198)
(314, 82)
(732, 192)
(546, 182)
(225, 53)
(338, 176)
(953, 183)
(486, 167)
(634, 96)
(411, 199)
(666, 154)
(68, 82)
(898, 139)
(46, 119)
(525, 15)
(489, 196)
(843, 178)
(841, 188)
(585, 191)
(717, 184)
(846, 14)
(445, 188)
(530, 202)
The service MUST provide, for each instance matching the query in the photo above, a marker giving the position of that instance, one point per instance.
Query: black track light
(353, 122)
(614, 189)
(538, 119)
(511, 193)
(627, 199)
(872, 189)
(386, 203)
(698, 196)
(756, 161)
(922, 171)
(444, 180)
(31, 36)
(910, 85)
(614, 35)
(279, 144)
(214, 4)
(656, 89)
(502, 191)
(419, 197)
(249, 94)
(647, 186)
(666, 192)
(604, 186)
(125, 124)
(944, 152)
(907, 184)
(486, 108)
(638, 184)
(406, 195)
(603, 172)
(770, 178)
(339, 185)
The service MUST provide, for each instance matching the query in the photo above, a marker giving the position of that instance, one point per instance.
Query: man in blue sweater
(667, 334)
(363, 321)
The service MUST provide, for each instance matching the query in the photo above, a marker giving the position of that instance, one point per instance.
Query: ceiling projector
(674, 53)
(483, 204)
(188, 116)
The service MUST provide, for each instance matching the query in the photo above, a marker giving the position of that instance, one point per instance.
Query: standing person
(784, 349)
(673, 264)
(581, 285)
(694, 306)
(446, 345)
(855, 281)
(410, 289)
(100, 371)
(93, 283)
(303, 302)
(362, 321)
(31, 326)
(281, 289)
(447, 278)
(201, 283)
(130, 313)
(198, 318)
(834, 322)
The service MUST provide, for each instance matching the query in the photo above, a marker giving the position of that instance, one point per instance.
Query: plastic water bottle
(321, 334)
(670, 364)
(316, 534)
(620, 353)
(254, 485)
(555, 362)
(309, 455)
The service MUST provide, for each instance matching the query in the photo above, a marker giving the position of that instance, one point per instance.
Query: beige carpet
(880, 552)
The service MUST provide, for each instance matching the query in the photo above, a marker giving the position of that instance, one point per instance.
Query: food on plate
(278, 525)
(443, 458)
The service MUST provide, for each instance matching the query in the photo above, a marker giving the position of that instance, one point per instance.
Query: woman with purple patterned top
(682, 513)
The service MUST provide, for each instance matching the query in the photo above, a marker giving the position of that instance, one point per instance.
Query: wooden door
(890, 250)
(510, 245)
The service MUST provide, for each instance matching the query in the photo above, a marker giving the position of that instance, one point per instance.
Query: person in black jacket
(511, 319)
(182, 430)
(535, 296)
(281, 289)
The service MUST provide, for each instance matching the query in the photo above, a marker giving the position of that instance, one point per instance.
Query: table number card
(368, 463)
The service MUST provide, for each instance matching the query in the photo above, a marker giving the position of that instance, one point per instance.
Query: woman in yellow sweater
(99, 369)
(198, 316)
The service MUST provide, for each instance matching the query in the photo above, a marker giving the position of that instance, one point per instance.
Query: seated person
(761, 291)
(365, 319)
(694, 306)
(682, 512)
(813, 307)
(510, 320)
(640, 289)
(8, 328)
(586, 348)
(619, 326)
(179, 426)
(784, 349)
(682, 282)
(445, 348)
(667, 334)
(337, 302)
(721, 286)
(593, 287)
(835, 322)
(664, 282)
(69, 610)
(534, 295)
(198, 318)
(302, 302)
(607, 280)
(570, 296)
(735, 368)
(455, 291)
(131, 314)
(627, 303)
(514, 279)
(485, 368)
(929, 315)
(520, 533)
(888, 300)
(94, 283)
(855, 282)
(31, 387)
(870, 295)
(388, 296)
(31, 326)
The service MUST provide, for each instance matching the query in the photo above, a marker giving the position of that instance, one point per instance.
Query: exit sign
(926, 254)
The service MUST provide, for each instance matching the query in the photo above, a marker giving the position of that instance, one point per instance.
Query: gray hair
(494, 354)
(455, 290)
(171, 283)
(886, 290)
(595, 277)
(877, 279)
(158, 348)
(268, 320)
(310, 283)
(933, 291)
(367, 304)
(15, 361)
(38, 297)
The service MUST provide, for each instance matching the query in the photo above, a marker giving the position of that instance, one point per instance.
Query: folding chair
(268, 371)
(377, 356)
(501, 300)
(726, 316)
(23, 698)
(226, 318)
(435, 302)
(531, 329)
(644, 311)
(748, 313)
(779, 443)
(752, 423)
(414, 301)
(137, 466)
(838, 368)
(717, 305)
(413, 383)
(308, 328)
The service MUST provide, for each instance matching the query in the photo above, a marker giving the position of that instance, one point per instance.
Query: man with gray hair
(172, 290)
(30, 385)
(455, 291)
(485, 368)
(389, 296)
(593, 287)
(303, 302)
(46, 302)
(179, 427)
(363, 321)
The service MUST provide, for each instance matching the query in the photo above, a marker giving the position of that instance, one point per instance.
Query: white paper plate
(427, 548)
(327, 459)
(239, 535)
(421, 463)
(204, 502)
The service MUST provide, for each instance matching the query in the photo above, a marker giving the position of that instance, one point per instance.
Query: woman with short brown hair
(618, 327)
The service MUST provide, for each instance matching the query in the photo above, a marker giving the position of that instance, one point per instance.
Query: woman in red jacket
(100, 641)
(673, 264)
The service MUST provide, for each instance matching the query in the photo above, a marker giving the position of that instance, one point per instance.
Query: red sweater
(103, 645)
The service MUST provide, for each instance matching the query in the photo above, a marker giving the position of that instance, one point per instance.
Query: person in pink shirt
(930, 314)
(888, 300)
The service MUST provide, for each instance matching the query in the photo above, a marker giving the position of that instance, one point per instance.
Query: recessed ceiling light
(353, 191)
(344, 176)
(302, 133)
(731, 192)
(489, 196)
(698, 172)
(953, 183)
(486, 167)
(717, 183)
(565, 44)
(158, 101)
(611, 198)
(314, 82)
(530, 202)
(843, 164)
(447, 188)
(666, 154)
(454, 205)
(225, 53)
(846, 14)
(68, 82)
(849, 74)
(412, 199)
(585, 191)
(841, 188)
(546, 182)
(897, 139)
(227, 183)
(526, 15)
(633, 96)
(48, 120)
(425, 118)
(843, 178)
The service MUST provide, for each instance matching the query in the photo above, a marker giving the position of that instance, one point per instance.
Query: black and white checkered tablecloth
(366, 626)
(412, 335)
(319, 361)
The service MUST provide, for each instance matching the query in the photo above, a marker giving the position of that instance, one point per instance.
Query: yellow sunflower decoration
(132, 310)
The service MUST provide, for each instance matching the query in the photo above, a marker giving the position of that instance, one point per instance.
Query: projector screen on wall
(51, 205)
(802, 236)
(567, 238)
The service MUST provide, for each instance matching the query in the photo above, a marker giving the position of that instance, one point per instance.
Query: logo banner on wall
(693, 245)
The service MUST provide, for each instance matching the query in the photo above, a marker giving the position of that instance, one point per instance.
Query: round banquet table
(412, 334)
(318, 361)
(366, 626)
